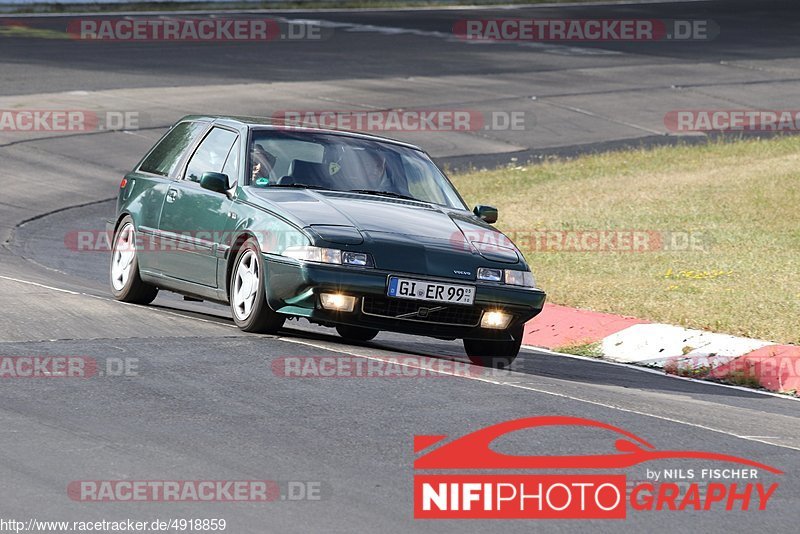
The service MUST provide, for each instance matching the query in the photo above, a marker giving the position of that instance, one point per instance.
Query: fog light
(495, 319)
(337, 302)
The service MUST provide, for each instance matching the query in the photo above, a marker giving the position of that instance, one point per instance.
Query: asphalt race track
(203, 401)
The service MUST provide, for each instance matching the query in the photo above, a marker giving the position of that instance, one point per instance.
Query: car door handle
(171, 194)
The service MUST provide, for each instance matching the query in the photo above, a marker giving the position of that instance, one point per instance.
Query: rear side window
(210, 156)
(166, 156)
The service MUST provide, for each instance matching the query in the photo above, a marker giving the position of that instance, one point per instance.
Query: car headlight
(328, 255)
(492, 275)
(507, 276)
(519, 278)
(355, 258)
(317, 254)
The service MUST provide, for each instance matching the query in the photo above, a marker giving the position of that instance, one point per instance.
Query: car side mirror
(214, 181)
(487, 213)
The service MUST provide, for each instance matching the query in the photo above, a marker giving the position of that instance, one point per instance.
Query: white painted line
(603, 117)
(659, 372)
(537, 390)
(444, 372)
(547, 47)
(79, 293)
(528, 347)
(41, 285)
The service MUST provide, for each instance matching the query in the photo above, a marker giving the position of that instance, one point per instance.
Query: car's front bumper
(293, 288)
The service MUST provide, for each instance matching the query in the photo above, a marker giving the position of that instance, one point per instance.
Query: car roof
(263, 123)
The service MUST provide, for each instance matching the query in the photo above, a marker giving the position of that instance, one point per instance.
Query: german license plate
(406, 288)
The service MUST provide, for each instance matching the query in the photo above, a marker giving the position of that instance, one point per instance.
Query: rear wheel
(126, 284)
(356, 333)
(248, 296)
(495, 353)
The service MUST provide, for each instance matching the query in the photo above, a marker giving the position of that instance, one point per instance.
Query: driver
(356, 169)
(379, 175)
(374, 169)
(262, 164)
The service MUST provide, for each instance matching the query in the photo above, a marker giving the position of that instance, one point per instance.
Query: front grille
(425, 312)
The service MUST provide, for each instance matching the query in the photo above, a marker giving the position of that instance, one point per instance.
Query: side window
(211, 154)
(165, 157)
(231, 168)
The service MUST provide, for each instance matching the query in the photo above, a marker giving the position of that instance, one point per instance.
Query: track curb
(674, 349)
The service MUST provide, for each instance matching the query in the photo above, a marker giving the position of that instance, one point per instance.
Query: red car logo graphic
(473, 451)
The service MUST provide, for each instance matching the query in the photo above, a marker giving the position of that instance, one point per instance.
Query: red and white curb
(677, 350)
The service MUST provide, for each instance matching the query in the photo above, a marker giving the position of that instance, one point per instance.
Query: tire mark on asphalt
(520, 383)
(97, 297)
(82, 134)
(6, 244)
(502, 378)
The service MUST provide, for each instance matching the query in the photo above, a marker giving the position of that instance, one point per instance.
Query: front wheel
(248, 297)
(126, 284)
(494, 353)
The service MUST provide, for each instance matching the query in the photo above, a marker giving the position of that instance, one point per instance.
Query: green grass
(589, 350)
(741, 201)
(744, 379)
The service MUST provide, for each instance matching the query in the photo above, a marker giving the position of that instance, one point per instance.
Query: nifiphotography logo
(543, 495)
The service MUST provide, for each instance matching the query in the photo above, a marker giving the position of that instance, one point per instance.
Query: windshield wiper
(385, 194)
(304, 186)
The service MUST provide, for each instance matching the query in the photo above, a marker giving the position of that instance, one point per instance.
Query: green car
(346, 230)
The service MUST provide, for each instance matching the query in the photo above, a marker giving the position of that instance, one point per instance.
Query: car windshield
(344, 163)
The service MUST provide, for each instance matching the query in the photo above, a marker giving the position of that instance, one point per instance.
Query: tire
(356, 333)
(247, 293)
(494, 353)
(126, 284)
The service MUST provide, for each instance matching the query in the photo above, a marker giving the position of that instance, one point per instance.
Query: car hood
(401, 235)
